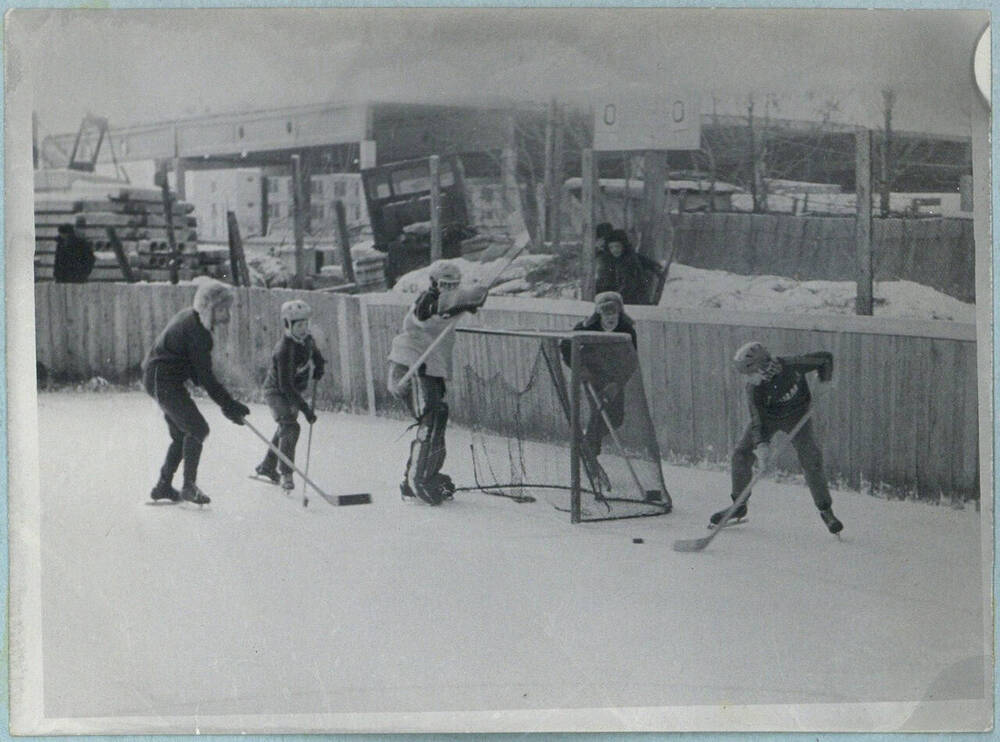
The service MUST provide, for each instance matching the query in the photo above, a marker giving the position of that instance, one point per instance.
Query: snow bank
(689, 287)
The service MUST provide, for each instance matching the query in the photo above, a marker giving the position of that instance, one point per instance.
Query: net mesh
(520, 412)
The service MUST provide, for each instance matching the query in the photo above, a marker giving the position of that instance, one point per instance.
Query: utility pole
(885, 161)
(655, 204)
(588, 191)
(863, 220)
(298, 224)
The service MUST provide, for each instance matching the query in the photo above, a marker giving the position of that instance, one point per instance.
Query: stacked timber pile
(137, 216)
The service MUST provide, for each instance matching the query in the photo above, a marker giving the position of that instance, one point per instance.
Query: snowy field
(256, 613)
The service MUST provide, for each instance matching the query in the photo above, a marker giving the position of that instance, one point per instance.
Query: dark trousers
(596, 429)
(810, 457)
(286, 436)
(187, 426)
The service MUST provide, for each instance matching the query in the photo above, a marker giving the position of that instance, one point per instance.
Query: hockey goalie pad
(427, 452)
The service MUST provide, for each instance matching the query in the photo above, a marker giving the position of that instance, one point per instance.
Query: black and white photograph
(439, 370)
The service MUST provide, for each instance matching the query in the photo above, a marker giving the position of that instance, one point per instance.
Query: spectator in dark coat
(74, 257)
(619, 269)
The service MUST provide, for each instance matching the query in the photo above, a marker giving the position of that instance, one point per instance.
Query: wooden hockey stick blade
(693, 544)
(362, 498)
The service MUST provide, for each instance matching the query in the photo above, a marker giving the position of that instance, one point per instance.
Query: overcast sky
(144, 66)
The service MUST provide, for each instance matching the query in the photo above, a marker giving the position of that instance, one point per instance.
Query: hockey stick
(615, 438)
(359, 499)
(697, 544)
(305, 485)
(522, 242)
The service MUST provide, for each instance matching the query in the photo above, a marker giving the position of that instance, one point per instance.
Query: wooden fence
(902, 412)
(936, 252)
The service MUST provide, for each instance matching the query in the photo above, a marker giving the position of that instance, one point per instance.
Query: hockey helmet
(445, 271)
(293, 311)
(751, 357)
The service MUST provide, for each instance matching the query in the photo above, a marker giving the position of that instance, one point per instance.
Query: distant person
(74, 256)
(601, 232)
(183, 352)
(619, 269)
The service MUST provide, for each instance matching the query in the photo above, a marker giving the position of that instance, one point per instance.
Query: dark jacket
(292, 365)
(624, 274)
(786, 394)
(596, 363)
(182, 351)
(74, 258)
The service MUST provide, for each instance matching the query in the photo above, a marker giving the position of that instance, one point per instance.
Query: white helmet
(445, 270)
(293, 311)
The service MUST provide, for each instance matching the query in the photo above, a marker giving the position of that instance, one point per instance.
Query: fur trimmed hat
(210, 294)
(609, 297)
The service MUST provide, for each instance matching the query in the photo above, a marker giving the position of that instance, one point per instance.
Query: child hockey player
(607, 381)
(295, 359)
(182, 351)
(779, 396)
(426, 319)
(609, 316)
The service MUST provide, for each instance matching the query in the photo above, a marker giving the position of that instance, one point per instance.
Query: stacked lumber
(138, 218)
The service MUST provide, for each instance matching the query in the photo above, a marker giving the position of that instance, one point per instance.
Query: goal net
(562, 417)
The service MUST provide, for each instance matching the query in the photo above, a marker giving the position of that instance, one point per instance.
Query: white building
(214, 192)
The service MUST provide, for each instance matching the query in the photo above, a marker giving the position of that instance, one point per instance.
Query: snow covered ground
(256, 613)
(694, 288)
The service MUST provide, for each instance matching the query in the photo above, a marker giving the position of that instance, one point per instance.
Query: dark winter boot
(191, 493)
(287, 482)
(739, 514)
(834, 525)
(165, 491)
(268, 472)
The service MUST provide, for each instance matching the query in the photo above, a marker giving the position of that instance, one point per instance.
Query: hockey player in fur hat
(183, 351)
(778, 396)
(426, 319)
(294, 361)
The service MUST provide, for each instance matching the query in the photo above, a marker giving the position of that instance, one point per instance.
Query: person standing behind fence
(294, 361)
(74, 257)
(619, 269)
(182, 352)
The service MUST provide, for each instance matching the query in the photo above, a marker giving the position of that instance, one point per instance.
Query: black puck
(637, 541)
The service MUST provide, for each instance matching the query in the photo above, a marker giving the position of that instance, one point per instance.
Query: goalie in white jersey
(430, 316)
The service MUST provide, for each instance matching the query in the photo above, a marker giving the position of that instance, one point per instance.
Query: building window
(272, 185)
(339, 189)
(317, 186)
(274, 211)
(316, 212)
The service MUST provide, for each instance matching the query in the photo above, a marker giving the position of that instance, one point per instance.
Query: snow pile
(514, 277)
(689, 287)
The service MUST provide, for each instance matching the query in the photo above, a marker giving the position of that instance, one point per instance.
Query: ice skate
(267, 472)
(738, 516)
(832, 523)
(406, 492)
(443, 486)
(165, 491)
(287, 483)
(191, 493)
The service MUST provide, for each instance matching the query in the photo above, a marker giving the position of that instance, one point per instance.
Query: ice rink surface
(256, 605)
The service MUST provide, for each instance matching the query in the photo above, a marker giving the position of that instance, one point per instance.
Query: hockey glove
(310, 414)
(465, 300)
(318, 371)
(235, 411)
